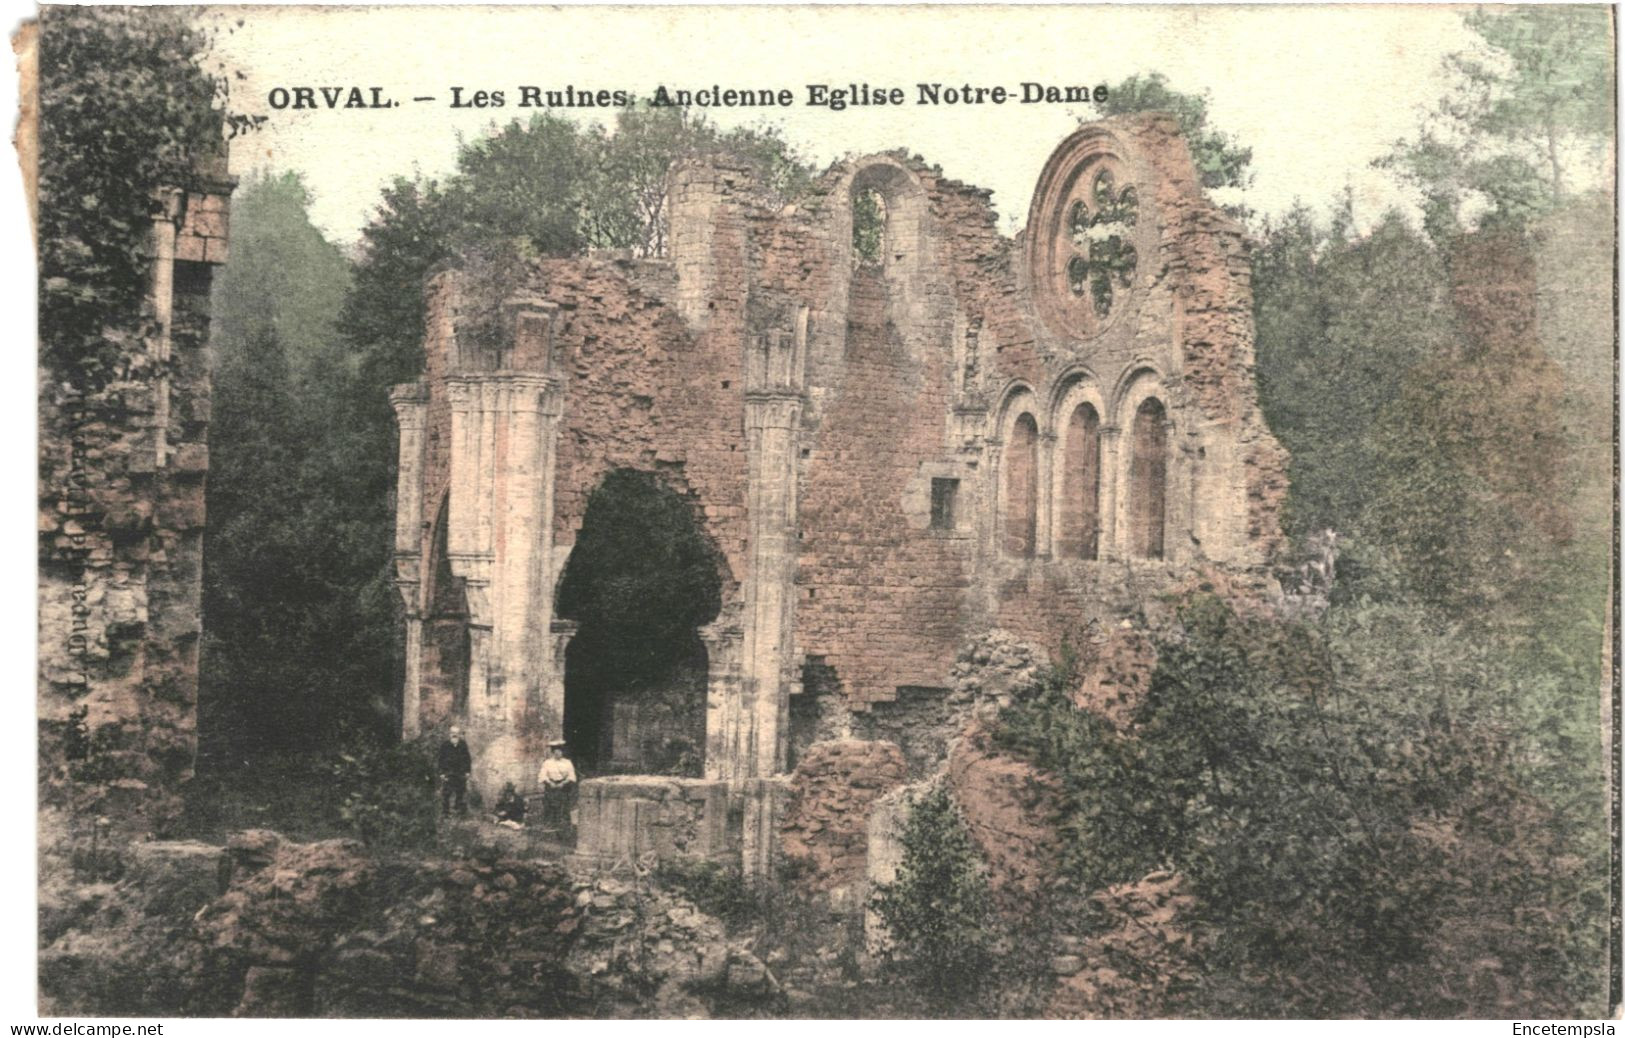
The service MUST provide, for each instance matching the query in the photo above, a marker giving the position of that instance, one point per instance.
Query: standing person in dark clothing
(453, 763)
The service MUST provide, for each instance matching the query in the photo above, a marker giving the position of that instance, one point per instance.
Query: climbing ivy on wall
(126, 107)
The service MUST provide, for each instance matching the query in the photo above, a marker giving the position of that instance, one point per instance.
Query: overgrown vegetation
(1527, 114)
(1355, 809)
(127, 106)
(386, 795)
(938, 912)
(868, 227)
(380, 793)
(1223, 163)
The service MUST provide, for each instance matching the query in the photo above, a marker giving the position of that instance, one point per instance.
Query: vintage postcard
(825, 512)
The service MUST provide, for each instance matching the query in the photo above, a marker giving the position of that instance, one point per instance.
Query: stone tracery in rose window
(1099, 226)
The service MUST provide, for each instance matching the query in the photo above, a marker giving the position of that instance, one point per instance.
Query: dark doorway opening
(642, 579)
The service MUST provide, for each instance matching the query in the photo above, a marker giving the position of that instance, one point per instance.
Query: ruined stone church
(893, 450)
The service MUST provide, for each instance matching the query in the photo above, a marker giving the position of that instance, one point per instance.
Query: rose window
(1099, 227)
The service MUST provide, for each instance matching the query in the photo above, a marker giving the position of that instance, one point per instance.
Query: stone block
(191, 458)
(175, 878)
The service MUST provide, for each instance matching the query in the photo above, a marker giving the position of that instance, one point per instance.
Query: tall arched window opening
(1080, 486)
(868, 226)
(1021, 488)
(1148, 479)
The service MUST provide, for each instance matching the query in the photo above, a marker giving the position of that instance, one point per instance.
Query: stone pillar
(771, 425)
(165, 232)
(773, 406)
(562, 632)
(724, 714)
(1044, 492)
(410, 402)
(468, 545)
(1111, 479)
(759, 835)
(499, 540)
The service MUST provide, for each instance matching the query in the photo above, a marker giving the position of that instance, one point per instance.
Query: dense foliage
(1528, 104)
(1221, 160)
(385, 795)
(937, 911)
(641, 577)
(300, 629)
(126, 108)
(1354, 808)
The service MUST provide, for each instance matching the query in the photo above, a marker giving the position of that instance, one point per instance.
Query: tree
(1340, 321)
(641, 577)
(298, 641)
(1220, 159)
(284, 277)
(938, 911)
(1529, 102)
(1356, 807)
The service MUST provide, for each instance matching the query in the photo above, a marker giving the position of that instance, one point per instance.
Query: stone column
(504, 425)
(410, 402)
(1111, 479)
(165, 232)
(773, 406)
(1044, 491)
(468, 546)
(724, 721)
(562, 631)
(771, 425)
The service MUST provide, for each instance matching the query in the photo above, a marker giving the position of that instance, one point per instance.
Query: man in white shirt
(558, 781)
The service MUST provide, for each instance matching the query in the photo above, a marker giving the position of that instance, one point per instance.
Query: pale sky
(1318, 92)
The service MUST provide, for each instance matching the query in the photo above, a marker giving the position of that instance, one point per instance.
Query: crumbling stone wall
(267, 927)
(121, 517)
(1013, 812)
(885, 449)
(824, 831)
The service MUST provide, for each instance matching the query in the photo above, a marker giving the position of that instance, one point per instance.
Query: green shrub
(386, 795)
(1354, 807)
(938, 910)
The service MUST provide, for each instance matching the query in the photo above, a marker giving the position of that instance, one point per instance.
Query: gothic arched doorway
(641, 580)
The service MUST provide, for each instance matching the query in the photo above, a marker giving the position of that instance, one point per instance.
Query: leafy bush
(938, 910)
(386, 794)
(1352, 808)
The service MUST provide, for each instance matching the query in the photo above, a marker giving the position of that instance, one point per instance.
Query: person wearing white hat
(558, 781)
